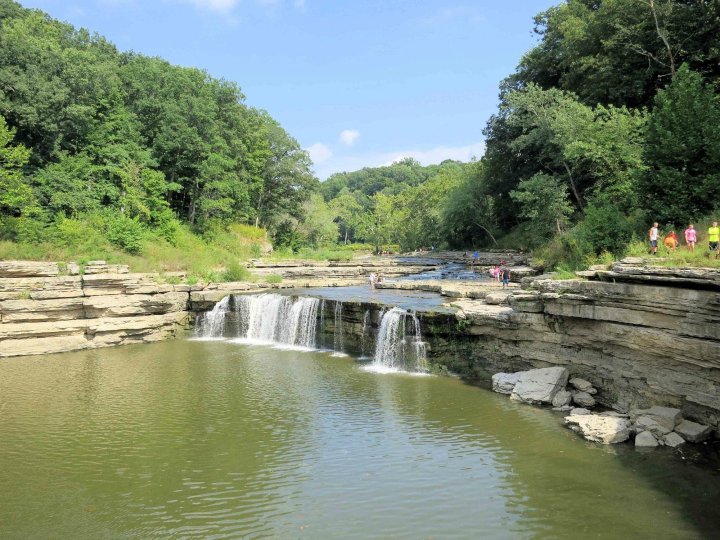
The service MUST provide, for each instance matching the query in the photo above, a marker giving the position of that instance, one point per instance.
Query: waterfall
(212, 323)
(266, 318)
(399, 344)
(273, 318)
(338, 337)
(365, 333)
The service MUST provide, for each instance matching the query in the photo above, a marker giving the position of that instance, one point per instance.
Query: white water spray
(212, 323)
(399, 344)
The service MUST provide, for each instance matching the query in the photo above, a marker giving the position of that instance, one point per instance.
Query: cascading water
(338, 337)
(212, 323)
(399, 343)
(365, 333)
(267, 318)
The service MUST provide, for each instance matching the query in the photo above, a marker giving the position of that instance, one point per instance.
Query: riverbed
(217, 439)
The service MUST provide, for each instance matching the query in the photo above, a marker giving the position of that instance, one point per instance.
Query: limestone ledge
(639, 342)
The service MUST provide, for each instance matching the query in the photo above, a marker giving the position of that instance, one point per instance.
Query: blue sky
(357, 83)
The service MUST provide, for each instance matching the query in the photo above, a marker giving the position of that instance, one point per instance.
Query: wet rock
(673, 440)
(564, 408)
(693, 432)
(597, 428)
(562, 398)
(649, 423)
(540, 385)
(583, 399)
(645, 439)
(504, 383)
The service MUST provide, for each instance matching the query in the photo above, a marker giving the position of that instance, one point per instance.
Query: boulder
(583, 399)
(562, 399)
(673, 440)
(582, 385)
(577, 411)
(665, 416)
(693, 432)
(540, 385)
(504, 383)
(564, 408)
(645, 439)
(597, 428)
(649, 423)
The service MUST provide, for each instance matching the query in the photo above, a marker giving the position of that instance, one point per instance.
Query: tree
(544, 201)
(15, 194)
(683, 151)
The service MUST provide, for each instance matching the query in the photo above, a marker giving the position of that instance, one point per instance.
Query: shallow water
(414, 300)
(216, 439)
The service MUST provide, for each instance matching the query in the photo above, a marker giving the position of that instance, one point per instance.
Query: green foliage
(126, 233)
(543, 200)
(15, 194)
(605, 229)
(234, 271)
(273, 278)
(683, 151)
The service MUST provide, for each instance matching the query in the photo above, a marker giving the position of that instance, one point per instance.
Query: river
(213, 439)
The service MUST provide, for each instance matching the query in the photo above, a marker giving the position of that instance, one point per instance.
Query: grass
(273, 278)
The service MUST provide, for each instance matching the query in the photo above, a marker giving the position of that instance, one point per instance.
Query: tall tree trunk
(662, 36)
(573, 187)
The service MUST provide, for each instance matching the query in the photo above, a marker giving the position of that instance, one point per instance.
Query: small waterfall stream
(290, 321)
(399, 344)
(212, 323)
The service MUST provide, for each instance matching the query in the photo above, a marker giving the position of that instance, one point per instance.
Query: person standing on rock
(714, 238)
(690, 237)
(505, 277)
(373, 280)
(654, 234)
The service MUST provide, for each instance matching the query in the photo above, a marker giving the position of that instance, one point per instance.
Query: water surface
(215, 440)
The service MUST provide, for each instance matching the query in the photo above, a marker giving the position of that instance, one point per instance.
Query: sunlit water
(217, 439)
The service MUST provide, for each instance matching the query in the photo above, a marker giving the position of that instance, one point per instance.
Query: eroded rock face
(540, 385)
(597, 428)
(504, 383)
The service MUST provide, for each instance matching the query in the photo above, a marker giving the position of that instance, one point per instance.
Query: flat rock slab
(673, 440)
(645, 439)
(668, 417)
(504, 383)
(540, 385)
(597, 428)
(583, 399)
(649, 423)
(15, 269)
(693, 432)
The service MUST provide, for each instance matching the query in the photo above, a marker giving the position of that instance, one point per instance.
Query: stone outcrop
(504, 383)
(539, 385)
(599, 428)
(640, 336)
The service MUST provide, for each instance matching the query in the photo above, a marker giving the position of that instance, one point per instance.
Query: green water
(213, 440)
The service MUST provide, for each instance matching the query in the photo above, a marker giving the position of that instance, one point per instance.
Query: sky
(356, 83)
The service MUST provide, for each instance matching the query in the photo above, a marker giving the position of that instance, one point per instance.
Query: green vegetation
(608, 124)
(119, 156)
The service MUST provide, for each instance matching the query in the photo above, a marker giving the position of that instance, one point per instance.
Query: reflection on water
(223, 439)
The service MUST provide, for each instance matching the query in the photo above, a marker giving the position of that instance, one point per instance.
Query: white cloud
(319, 153)
(349, 136)
(333, 164)
(222, 6)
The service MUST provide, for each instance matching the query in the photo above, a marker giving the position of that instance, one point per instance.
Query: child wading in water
(505, 277)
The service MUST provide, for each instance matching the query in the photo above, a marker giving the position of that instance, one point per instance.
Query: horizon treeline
(130, 142)
(611, 121)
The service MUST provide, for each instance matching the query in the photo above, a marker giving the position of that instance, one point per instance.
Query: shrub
(235, 272)
(126, 233)
(273, 278)
(604, 228)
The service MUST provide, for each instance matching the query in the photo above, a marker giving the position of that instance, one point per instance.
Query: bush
(235, 272)
(273, 278)
(126, 233)
(604, 228)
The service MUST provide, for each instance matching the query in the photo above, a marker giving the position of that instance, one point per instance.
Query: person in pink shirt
(691, 237)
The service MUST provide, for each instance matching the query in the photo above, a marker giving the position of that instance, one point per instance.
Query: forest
(609, 123)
